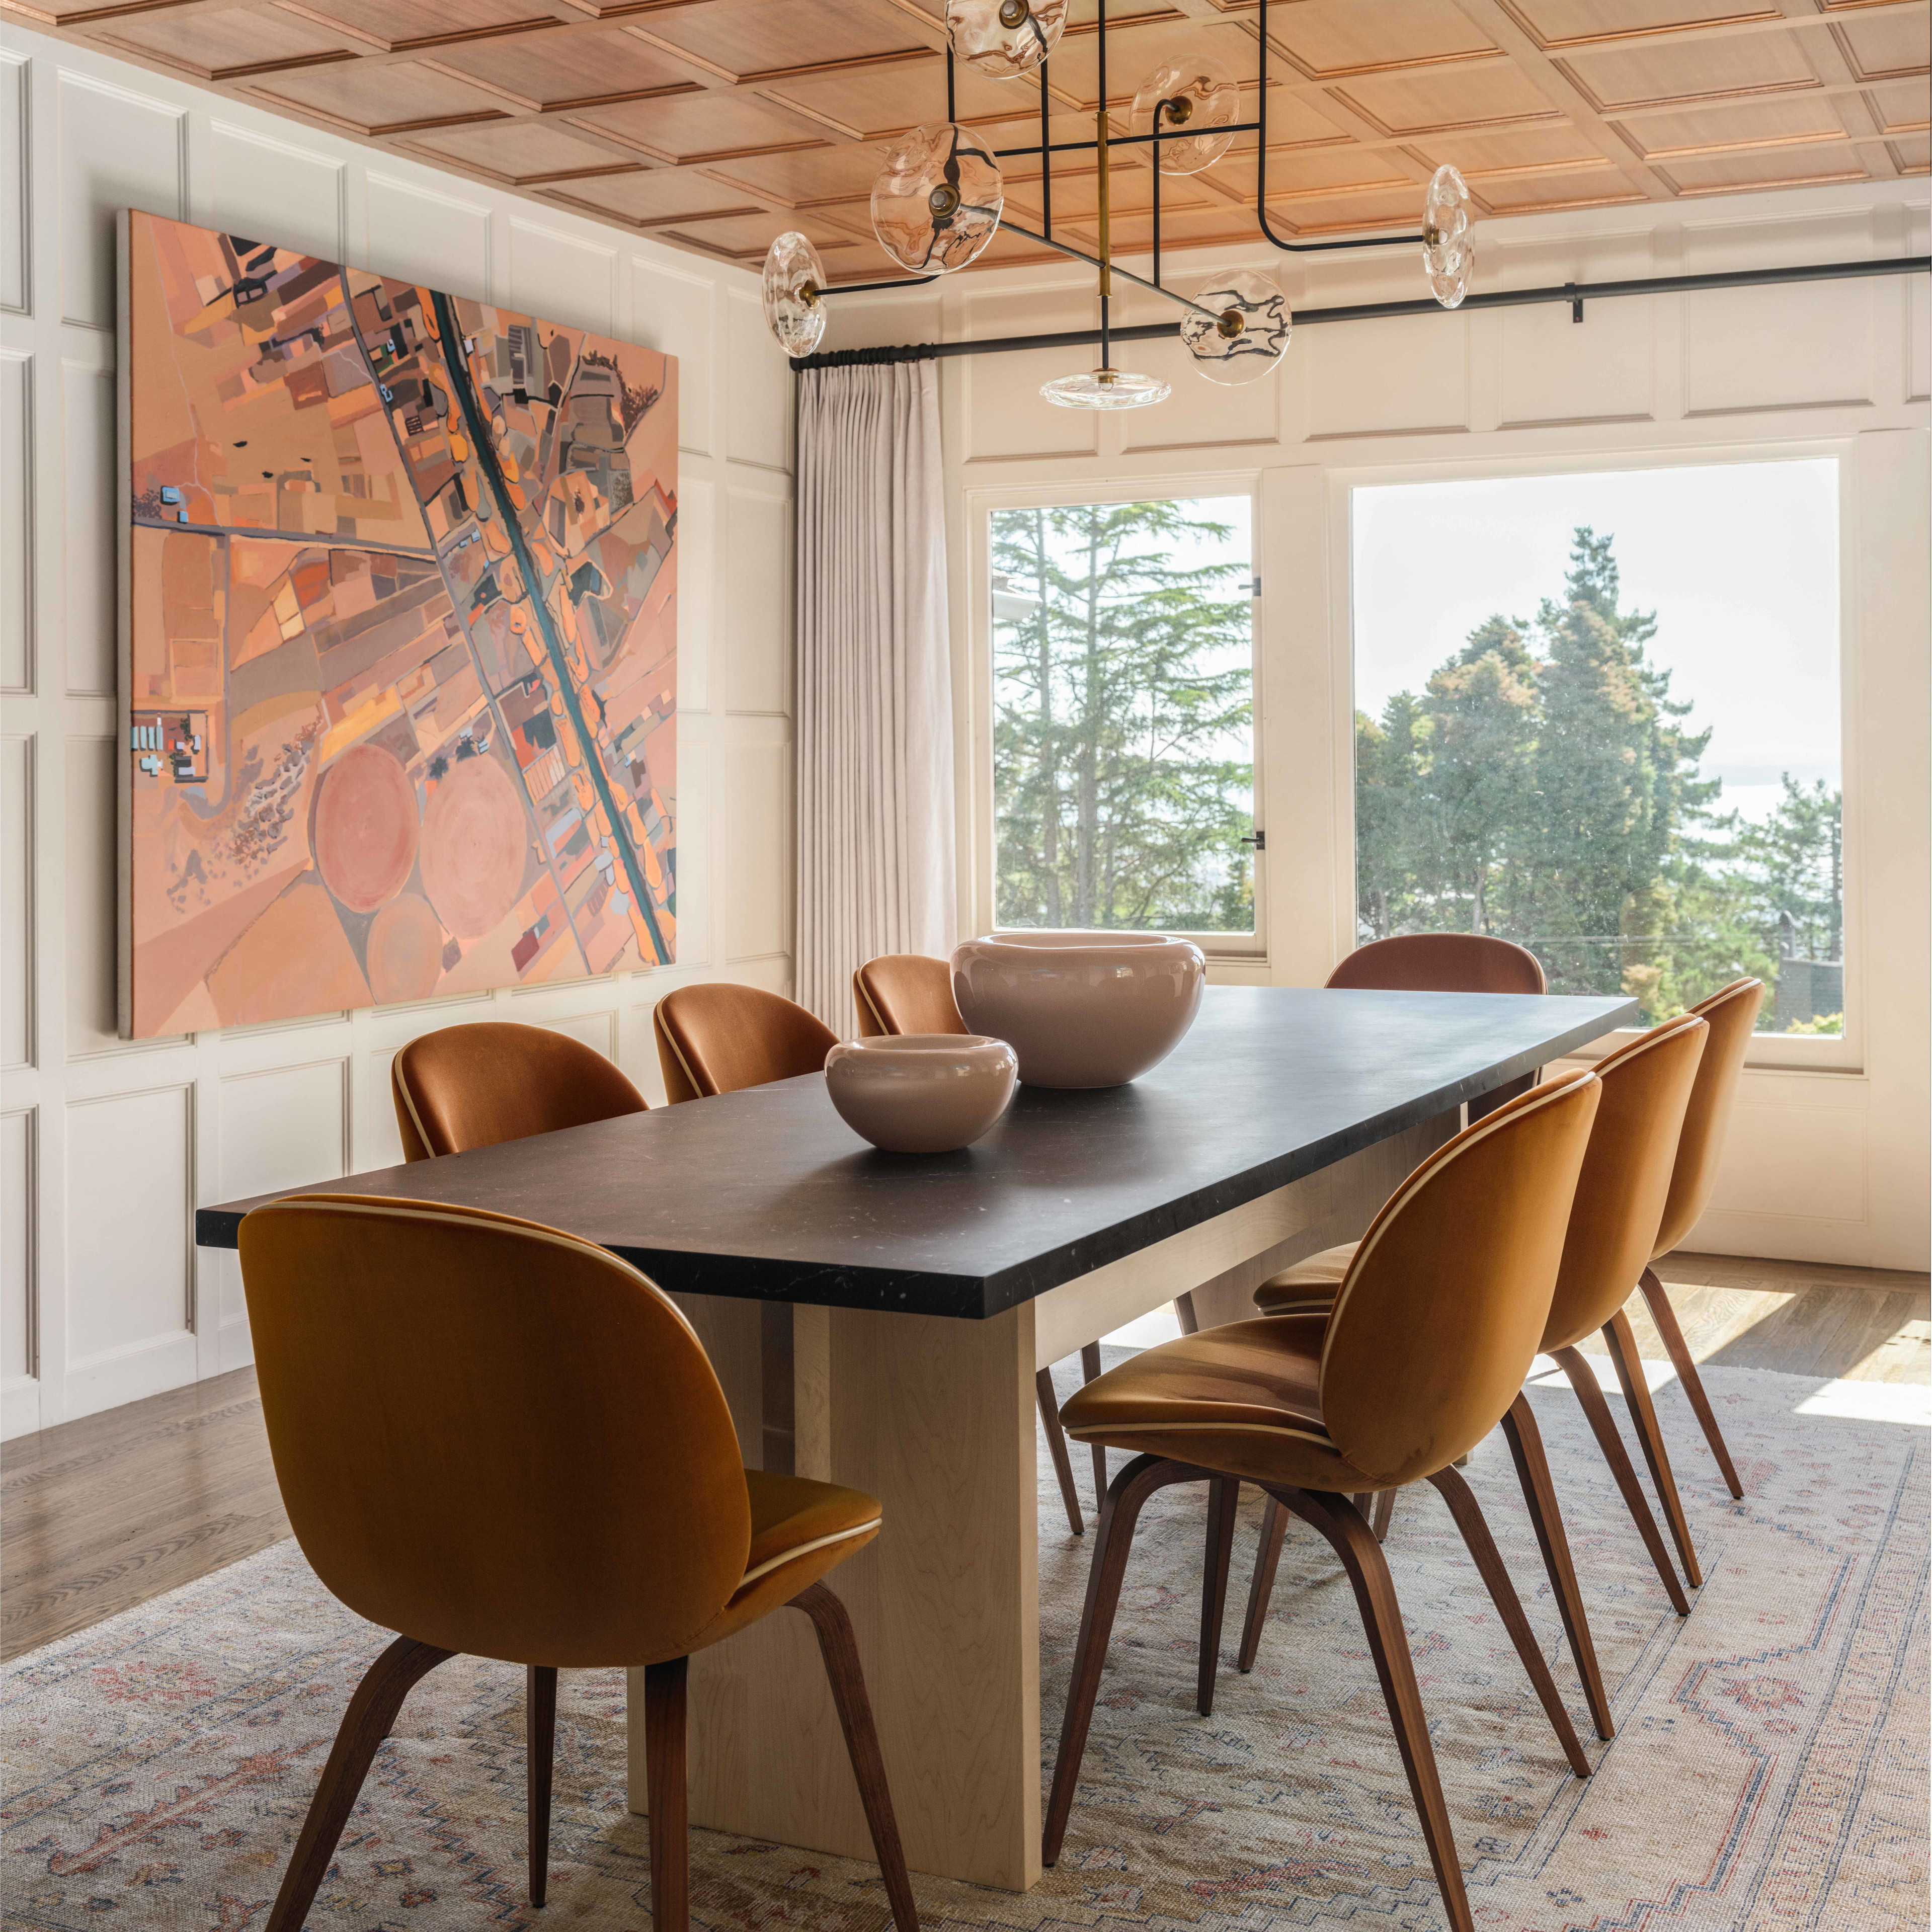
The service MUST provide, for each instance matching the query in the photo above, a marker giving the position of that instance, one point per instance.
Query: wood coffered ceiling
(713, 125)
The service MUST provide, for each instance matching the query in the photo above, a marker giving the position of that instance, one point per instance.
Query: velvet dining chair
(494, 1438)
(717, 1036)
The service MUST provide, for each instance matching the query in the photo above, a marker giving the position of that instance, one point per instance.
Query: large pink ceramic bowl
(920, 1092)
(1082, 1009)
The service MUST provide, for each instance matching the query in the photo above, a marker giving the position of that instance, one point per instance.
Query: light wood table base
(935, 1418)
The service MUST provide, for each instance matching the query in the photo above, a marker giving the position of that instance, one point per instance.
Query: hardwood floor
(99, 1515)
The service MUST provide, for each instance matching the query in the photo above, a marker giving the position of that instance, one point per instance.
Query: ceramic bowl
(921, 1093)
(1082, 1009)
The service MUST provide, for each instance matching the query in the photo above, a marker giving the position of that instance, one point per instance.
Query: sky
(1739, 562)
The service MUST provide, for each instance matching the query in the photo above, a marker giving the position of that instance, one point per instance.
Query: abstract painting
(401, 649)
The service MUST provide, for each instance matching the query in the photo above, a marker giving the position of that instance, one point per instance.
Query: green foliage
(1542, 788)
(1123, 709)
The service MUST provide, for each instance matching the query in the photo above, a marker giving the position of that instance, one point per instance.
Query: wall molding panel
(107, 1146)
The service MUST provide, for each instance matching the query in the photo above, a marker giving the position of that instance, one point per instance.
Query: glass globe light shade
(1450, 287)
(1197, 94)
(1246, 336)
(1106, 389)
(936, 203)
(1004, 38)
(793, 278)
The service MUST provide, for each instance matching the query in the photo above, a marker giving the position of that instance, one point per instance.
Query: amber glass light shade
(1004, 39)
(936, 203)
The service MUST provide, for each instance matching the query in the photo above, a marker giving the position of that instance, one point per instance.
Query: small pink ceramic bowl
(1082, 1009)
(921, 1093)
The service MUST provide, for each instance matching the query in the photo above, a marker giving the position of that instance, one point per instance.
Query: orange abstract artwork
(402, 677)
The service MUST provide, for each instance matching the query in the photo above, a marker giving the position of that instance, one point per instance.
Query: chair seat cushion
(1244, 1398)
(1310, 1286)
(800, 1529)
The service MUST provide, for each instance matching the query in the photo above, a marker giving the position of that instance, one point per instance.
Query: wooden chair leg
(1665, 1317)
(1383, 1515)
(1341, 1523)
(1090, 1368)
(1629, 1366)
(668, 1793)
(1056, 1443)
(1456, 1492)
(1532, 1469)
(539, 1754)
(1183, 1313)
(371, 1714)
(1267, 1560)
(847, 1679)
(1224, 1496)
(1604, 1427)
(1120, 1510)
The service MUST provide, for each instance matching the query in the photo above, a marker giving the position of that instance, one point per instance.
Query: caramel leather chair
(905, 992)
(718, 1037)
(1620, 1196)
(1436, 1325)
(473, 1086)
(1731, 1016)
(908, 992)
(496, 1438)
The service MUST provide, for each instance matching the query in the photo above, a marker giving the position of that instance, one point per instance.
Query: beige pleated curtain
(875, 812)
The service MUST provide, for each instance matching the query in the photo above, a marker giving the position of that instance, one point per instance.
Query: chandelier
(940, 198)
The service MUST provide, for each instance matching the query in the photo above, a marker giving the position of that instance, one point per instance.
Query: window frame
(1247, 950)
(1844, 1053)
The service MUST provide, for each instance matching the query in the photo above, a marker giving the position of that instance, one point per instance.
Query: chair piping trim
(434, 1211)
(805, 1549)
(410, 1101)
(864, 993)
(1193, 1426)
(665, 1034)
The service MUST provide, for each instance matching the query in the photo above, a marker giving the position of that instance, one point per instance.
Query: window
(1123, 716)
(1598, 715)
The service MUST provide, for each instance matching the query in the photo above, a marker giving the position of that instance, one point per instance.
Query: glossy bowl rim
(1062, 941)
(922, 1045)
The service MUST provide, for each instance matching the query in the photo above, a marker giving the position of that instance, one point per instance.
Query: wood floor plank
(100, 1515)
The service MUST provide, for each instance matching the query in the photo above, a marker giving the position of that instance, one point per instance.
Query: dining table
(877, 1320)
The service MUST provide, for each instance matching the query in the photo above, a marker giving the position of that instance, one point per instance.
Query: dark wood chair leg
(1339, 1521)
(1532, 1469)
(1456, 1492)
(843, 1673)
(371, 1713)
(1267, 1559)
(1056, 1443)
(539, 1754)
(668, 1793)
(1089, 1368)
(1224, 1496)
(1629, 1366)
(1120, 1510)
(1657, 1300)
(1604, 1427)
(1384, 1514)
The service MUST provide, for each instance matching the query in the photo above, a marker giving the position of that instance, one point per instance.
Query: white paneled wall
(1827, 1162)
(106, 1148)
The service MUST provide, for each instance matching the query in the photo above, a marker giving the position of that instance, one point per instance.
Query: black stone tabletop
(767, 1194)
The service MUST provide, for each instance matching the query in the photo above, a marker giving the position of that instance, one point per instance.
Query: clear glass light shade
(1106, 389)
(1004, 38)
(1193, 97)
(936, 202)
(1450, 286)
(794, 277)
(1247, 335)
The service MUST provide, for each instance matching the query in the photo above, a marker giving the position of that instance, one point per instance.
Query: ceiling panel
(716, 124)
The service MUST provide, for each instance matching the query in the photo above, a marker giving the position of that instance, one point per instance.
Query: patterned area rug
(1770, 1770)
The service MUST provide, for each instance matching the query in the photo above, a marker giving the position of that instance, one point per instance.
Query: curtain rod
(1575, 293)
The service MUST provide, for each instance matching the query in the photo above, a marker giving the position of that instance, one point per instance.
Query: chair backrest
(1626, 1179)
(905, 992)
(717, 1037)
(1731, 1016)
(473, 1086)
(1443, 1308)
(1442, 962)
(490, 1435)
